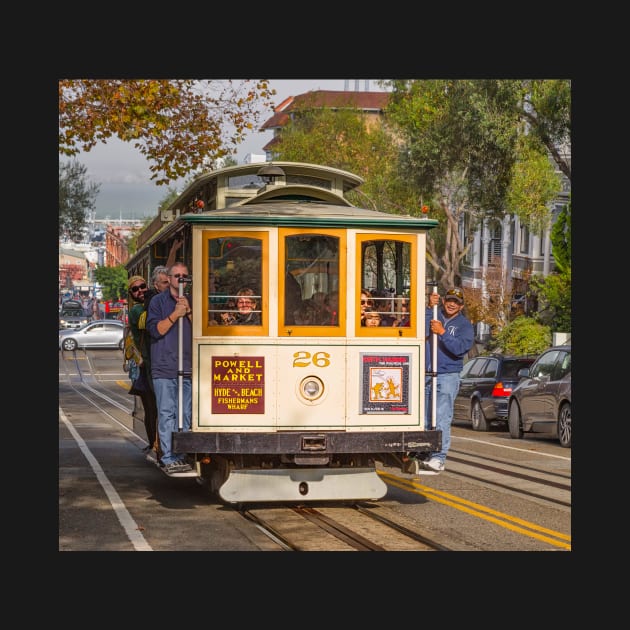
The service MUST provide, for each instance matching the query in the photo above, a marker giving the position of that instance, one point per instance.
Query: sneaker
(176, 467)
(434, 464)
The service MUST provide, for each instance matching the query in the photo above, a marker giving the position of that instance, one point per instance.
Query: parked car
(485, 387)
(71, 315)
(541, 402)
(102, 333)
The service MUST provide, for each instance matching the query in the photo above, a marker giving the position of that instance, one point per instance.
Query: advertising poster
(385, 383)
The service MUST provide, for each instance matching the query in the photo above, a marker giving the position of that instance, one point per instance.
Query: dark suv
(71, 315)
(486, 385)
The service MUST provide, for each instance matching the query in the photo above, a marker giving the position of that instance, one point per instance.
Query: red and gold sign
(238, 384)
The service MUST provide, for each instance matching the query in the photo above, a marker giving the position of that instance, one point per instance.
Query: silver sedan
(102, 333)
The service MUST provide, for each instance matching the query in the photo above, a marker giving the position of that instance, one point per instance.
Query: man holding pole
(450, 335)
(169, 324)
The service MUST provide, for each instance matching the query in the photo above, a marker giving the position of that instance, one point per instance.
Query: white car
(102, 333)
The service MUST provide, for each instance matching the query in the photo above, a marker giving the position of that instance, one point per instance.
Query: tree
(553, 294)
(179, 125)
(113, 281)
(342, 139)
(76, 199)
(546, 108)
(168, 199)
(534, 185)
(464, 149)
(561, 239)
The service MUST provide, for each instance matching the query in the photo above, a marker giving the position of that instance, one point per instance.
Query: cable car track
(357, 527)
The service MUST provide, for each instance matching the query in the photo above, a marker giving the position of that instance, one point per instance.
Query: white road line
(513, 448)
(129, 525)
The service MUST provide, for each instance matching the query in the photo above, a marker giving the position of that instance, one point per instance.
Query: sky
(122, 172)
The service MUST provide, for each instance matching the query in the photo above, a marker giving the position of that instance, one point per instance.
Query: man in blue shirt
(166, 309)
(455, 336)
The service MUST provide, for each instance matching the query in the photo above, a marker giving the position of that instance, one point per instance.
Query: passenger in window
(292, 298)
(228, 317)
(322, 310)
(402, 316)
(366, 303)
(308, 314)
(372, 319)
(332, 309)
(383, 303)
(247, 310)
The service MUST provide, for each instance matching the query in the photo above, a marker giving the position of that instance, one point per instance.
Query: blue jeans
(167, 399)
(447, 388)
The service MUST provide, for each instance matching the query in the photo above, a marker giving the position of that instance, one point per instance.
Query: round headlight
(312, 388)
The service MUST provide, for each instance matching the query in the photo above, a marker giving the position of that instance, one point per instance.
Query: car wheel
(478, 418)
(564, 425)
(69, 344)
(514, 421)
(121, 344)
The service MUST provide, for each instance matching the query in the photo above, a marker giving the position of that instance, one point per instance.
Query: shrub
(523, 335)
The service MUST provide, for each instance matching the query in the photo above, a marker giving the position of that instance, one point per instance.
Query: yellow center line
(513, 523)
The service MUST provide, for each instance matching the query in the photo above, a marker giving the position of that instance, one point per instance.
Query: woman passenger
(366, 302)
(246, 305)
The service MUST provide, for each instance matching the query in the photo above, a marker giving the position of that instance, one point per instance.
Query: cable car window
(234, 275)
(311, 280)
(388, 272)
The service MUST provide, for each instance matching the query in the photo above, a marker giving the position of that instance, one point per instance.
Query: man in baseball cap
(455, 294)
(454, 335)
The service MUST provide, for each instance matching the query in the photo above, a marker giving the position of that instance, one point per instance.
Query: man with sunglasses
(455, 337)
(137, 314)
(166, 309)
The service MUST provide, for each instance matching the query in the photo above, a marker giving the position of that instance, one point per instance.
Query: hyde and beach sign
(238, 385)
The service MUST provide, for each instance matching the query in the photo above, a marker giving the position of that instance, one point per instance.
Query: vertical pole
(434, 368)
(180, 363)
(431, 423)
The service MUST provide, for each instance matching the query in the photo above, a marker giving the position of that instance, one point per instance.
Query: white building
(254, 158)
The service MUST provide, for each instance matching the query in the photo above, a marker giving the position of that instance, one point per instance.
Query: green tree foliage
(179, 125)
(463, 127)
(546, 108)
(463, 149)
(458, 150)
(523, 335)
(76, 199)
(553, 294)
(113, 281)
(229, 160)
(533, 187)
(561, 239)
(168, 199)
(343, 139)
